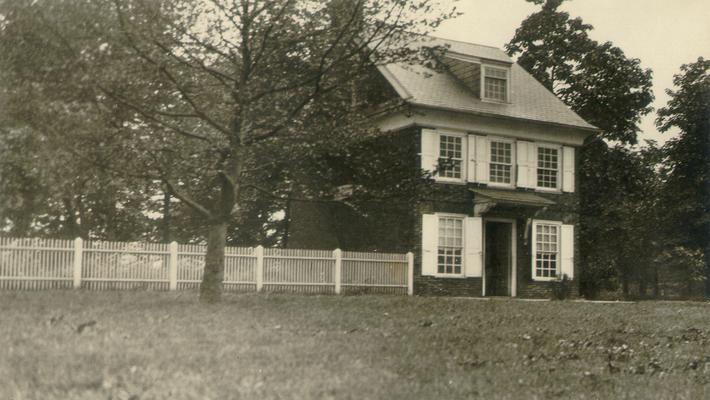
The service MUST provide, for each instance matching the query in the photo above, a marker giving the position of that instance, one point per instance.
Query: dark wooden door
(498, 258)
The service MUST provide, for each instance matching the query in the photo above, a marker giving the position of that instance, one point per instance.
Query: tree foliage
(595, 79)
(686, 195)
(208, 98)
(612, 92)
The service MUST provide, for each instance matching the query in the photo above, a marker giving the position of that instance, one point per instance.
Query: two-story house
(502, 150)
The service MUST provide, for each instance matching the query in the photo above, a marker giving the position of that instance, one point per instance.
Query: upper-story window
(458, 157)
(548, 167)
(495, 83)
(501, 165)
(450, 156)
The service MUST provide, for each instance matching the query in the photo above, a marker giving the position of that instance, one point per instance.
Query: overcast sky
(663, 34)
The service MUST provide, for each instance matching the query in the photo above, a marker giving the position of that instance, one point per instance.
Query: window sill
(501, 185)
(448, 276)
(545, 279)
(548, 190)
(495, 101)
(451, 181)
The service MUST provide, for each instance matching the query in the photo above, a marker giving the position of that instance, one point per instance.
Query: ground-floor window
(547, 250)
(450, 249)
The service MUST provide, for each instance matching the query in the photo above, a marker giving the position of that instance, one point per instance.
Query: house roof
(530, 100)
(511, 197)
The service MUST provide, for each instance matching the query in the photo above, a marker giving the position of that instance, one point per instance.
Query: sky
(663, 34)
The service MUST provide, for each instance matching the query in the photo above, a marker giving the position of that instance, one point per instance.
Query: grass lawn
(149, 345)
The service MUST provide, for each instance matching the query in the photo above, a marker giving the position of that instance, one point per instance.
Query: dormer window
(495, 84)
(487, 81)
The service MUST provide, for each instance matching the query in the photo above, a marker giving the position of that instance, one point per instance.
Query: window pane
(547, 167)
(450, 253)
(495, 88)
(450, 156)
(546, 250)
(501, 163)
(496, 72)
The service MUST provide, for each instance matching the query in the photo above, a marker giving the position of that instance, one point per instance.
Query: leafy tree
(203, 96)
(596, 80)
(612, 92)
(687, 159)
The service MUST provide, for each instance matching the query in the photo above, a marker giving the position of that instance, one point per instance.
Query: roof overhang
(407, 114)
(581, 130)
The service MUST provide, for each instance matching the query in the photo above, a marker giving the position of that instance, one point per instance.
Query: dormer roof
(528, 98)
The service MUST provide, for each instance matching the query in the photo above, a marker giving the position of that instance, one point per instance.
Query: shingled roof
(529, 99)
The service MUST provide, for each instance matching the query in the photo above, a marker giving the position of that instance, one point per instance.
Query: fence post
(259, 252)
(173, 266)
(410, 273)
(78, 255)
(338, 255)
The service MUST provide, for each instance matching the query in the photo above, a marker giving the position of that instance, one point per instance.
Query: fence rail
(35, 264)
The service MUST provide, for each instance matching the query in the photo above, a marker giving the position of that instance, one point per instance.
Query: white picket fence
(34, 264)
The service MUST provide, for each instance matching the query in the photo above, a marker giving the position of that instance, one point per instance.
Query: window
(547, 167)
(546, 258)
(501, 163)
(450, 156)
(495, 84)
(450, 249)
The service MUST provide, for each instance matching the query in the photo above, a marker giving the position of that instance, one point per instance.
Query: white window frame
(483, 83)
(464, 156)
(462, 218)
(558, 266)
(558, 187)
(513, 160)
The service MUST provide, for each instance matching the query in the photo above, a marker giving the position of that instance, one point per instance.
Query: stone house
(502, 151)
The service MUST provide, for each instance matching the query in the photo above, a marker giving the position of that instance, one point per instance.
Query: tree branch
(186, 199)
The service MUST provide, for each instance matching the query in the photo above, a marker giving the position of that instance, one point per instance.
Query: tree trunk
(707, 269)
(689, 285)
(625, 285)
(211, 287)
(166, 216)
(287, 223)
(642, 285)
(72, 227)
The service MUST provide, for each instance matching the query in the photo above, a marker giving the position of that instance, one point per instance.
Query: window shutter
(430, 243)
(482, 159)
(532, 156)
(568, 169)
(567, 251)
(473, 246)
(430, 150)
(525, 164)
(471, 168)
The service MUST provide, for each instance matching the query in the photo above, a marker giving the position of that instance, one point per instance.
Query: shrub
(562, 288)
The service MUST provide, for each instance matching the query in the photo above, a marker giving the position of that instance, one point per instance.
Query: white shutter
(473, 246)
(430, 243)
(567, 251)
(471, 163)
(532, 172)
(568, 169)
(430, 150)
(525, 164)
(482, 159)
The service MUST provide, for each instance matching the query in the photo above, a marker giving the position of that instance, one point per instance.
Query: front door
(498, 274)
